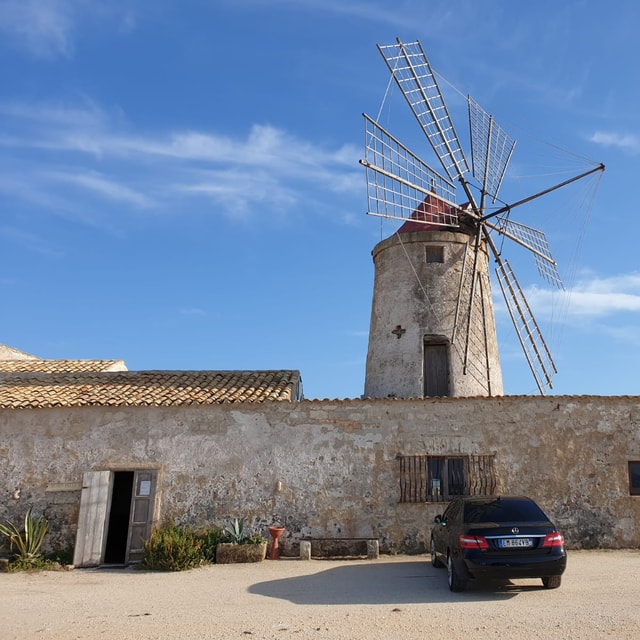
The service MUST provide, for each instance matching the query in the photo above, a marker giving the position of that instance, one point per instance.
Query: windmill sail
(534, 240)
(399, 184)
(491, 149)
(413, 75)
(533, 344)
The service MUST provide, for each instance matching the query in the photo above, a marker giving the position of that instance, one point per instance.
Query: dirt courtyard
(401, 597)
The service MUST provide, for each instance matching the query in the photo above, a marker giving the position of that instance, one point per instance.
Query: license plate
(510, 543)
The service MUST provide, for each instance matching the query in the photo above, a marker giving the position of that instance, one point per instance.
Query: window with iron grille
(425, 478)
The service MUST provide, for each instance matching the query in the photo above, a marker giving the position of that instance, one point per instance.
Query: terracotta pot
(275, 533)
(230, 552)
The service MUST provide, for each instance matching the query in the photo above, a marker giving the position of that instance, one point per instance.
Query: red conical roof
(432, 213)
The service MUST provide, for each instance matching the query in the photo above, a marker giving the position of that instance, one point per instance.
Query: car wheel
(456, 581)
(434, 557)
(551, 582)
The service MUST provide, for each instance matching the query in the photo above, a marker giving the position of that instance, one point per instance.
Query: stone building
(105, 454)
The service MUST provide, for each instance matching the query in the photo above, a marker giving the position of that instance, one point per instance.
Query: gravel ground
(400, 597)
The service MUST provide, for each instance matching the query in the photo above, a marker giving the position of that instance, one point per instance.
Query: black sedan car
(499, 537)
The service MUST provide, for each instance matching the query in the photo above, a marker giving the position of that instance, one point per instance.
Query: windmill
(451, 330)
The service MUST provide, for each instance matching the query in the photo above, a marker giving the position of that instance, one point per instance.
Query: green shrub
(211, 538)
(173, 548)
(256, 538)
(31, 564)
(26, 544)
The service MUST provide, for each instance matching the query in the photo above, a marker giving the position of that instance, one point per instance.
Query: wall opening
(117, 511)
(118, 527)
(434, 254)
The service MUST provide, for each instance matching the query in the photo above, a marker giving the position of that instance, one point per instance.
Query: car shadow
(391, 583)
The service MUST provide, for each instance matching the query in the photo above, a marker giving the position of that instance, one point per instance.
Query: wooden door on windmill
(142, 512)
(436, 369)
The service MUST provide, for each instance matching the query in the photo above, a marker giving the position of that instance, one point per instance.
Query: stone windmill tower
(432, 329)
(422, 272)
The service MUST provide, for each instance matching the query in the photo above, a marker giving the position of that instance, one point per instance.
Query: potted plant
(240, 545)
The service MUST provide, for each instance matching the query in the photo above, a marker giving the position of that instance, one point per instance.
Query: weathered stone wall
(329, 468)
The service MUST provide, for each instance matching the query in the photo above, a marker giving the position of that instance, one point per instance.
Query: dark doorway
(116, 549)
(436, 368)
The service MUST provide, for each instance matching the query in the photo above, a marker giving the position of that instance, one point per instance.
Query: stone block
(305, 550)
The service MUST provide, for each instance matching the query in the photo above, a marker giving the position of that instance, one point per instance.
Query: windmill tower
(432, 329)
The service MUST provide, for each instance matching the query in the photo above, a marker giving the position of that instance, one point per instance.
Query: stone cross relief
(399, 331)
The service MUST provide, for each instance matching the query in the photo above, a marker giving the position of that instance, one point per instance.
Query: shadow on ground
(382, 583)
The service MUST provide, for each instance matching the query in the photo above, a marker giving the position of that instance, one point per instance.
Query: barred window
(425, 478)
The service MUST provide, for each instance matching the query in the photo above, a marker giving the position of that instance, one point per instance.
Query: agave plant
(26, 543)
(236, 531)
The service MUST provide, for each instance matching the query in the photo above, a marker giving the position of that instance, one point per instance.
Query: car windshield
(502, 510)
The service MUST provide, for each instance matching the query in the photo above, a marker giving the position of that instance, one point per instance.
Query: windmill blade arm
(535, 241)
(533, 344)
(472, 291)
(412, 72)
(508, 207)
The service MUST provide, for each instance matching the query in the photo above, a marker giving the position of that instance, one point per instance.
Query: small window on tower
(435, 254)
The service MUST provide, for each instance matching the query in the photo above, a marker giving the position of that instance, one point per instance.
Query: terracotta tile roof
(146, 388)
(60, 366)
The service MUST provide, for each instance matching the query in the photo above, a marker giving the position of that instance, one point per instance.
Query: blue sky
(180, 187)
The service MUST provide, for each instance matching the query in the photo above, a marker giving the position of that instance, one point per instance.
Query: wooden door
(91, 536)
(436, 369)
(142, 512)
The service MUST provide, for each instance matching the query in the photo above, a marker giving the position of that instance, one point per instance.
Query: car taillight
(473, 542)
(555, 539)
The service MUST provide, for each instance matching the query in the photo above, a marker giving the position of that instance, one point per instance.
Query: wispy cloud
(42, 27)
(594, 297)
(402, 14)
(82, 115)
(100, 152)
(625, 141)
(104, 187)
(601, 306)
(606, 296)
(47, 29)
(241, 193)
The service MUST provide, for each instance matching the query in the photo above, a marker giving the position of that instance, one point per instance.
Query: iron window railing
(426, 478)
